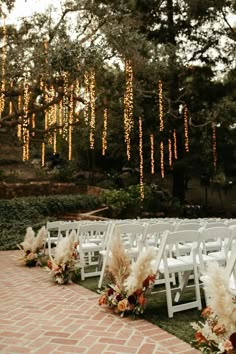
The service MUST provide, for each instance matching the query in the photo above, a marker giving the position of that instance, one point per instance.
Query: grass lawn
(156, 311)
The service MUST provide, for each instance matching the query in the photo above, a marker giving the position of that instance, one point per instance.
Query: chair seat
(175, 264)
(90, 247)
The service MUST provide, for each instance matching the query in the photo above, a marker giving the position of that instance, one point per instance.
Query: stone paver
(38, 316)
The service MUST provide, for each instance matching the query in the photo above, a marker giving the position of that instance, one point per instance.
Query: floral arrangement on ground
(65, 261)
(217, 332)
(130, 282)
(32, 248)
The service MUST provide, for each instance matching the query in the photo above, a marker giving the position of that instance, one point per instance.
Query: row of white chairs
(182, 249)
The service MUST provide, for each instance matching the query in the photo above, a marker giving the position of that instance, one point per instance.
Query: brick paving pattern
(38, 316)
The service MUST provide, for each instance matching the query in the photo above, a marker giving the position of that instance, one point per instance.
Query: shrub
(19, 213)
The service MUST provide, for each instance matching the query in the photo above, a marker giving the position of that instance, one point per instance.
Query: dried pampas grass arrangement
(64, 262)
(32, 246)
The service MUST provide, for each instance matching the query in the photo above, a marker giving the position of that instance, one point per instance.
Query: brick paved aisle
(38, 316)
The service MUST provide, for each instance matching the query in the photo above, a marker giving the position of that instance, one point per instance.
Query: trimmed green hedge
(19, 213)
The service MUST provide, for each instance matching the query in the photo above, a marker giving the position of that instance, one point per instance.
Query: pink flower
(228, 345)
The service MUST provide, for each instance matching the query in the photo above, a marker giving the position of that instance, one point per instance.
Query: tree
(172, 42)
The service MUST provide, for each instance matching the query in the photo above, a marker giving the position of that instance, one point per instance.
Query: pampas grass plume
(119, 263)
(26, 245)
(219, 298)
(64, 249)
(140, 270)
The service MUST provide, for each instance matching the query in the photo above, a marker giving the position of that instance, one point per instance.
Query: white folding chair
(53, 232)
(167, 264)
(230, 269)
(215, 244)
(132, 235)
(92, 238)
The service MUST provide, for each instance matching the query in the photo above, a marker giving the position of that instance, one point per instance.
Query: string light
(170, 152)
(87, 94)
(60, 116)
(70, 128)
(77, 92)
(25, 129)
(65, 103)
(160, 96)
(43, 155)
(128, 106)
(33, 124)
(92, 106)
(152, 154)
(10, 102)
(186, 138)
(104, 133)
(19, 127)
(162, 159)
(214, 146)
(175, 144)
(54, 141)
(4, 55)
(141, 159)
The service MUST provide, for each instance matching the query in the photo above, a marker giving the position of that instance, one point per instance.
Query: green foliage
(128, 203)
(17, 214)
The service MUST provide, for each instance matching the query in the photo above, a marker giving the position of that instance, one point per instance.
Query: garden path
(38, 316)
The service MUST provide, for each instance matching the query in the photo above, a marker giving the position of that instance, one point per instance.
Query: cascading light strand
(60, 116)
(87, 95)
(170, 152)
(161, 129)
(128, 106)
(162, 159)
(92, 107)
(4, 55)
(104, 132)
(33, 122)
(25, 128)
(214, 146)
(70, 127)
(175, 144)
(152, 154)
(19, 126)
(10, 102)
(141, 159)
(43, 155)
(54, 141)
(65, 105)
(186, 137)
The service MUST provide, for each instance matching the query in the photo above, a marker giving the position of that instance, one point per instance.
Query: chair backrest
(67, 227)
(210, 224)
(95, 232)
(171, 240)
(188, 226)
(153, 232)
(217, 234)
(53, 232)
(132, 234)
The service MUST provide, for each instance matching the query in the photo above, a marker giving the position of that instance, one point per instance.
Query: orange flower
(228, 346)
(206, 312)
(122, 305)
(102, 300)
(141, 300)
(219, 329)
(200, 338)
(49, 264)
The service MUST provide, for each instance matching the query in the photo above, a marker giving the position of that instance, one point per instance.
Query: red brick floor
(38, 316)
